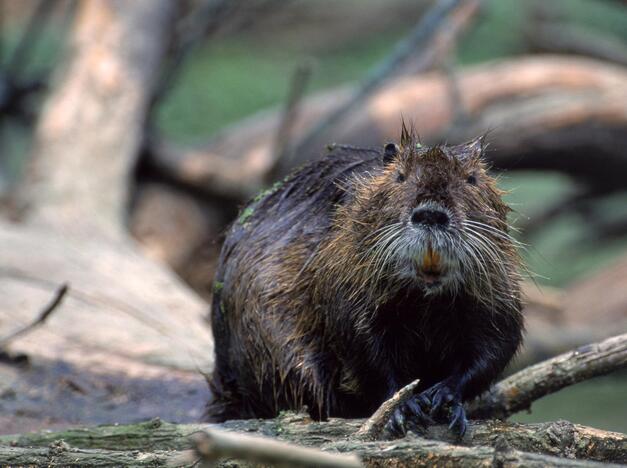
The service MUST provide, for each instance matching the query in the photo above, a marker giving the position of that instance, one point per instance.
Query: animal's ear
(390, 152)
(476, 147)
(407, 136)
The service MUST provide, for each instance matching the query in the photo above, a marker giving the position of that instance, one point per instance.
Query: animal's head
(433, 216)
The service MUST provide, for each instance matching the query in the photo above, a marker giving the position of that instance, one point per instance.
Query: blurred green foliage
(229, 78)
(224, 82)
(501, 31)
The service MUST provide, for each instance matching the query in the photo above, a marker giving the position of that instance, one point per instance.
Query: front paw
(446, 404)
(411, 415)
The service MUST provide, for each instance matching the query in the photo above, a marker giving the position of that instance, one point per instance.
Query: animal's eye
(472, 179)
(400, 177)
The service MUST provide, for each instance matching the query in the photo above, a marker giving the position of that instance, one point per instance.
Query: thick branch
(541, 111)
(62, 455)
(420, 452)
(517, 392)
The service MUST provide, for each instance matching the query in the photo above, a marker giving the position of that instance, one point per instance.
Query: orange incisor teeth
(431, 260)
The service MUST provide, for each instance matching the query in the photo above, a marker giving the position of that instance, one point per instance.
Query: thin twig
(519, 391)
(373, 427)
(203, 21)
(442, 46)
(422, 32)
(43, 316)
(460, 116)
(211, 445)
(283, 141)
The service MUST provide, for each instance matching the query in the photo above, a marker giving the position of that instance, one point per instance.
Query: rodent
(362, 271)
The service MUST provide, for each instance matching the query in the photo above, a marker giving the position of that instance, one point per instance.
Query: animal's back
(271, 241)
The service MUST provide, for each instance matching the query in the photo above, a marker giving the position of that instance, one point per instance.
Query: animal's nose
(429, 217)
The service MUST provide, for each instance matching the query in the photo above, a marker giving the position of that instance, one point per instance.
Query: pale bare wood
(120, 303)
(211, 445)
(92, 125)
(40, 320)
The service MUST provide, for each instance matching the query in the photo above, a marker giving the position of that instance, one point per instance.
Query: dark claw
(423, 401)
(438, 400)
(458, 421)
(432, 398)
(445, 404)
(410, 415)
(396, 425)
(418, 416)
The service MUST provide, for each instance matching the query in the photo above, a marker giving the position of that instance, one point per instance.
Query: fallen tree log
(120, 304)
(539, 110)
(559, 438)
(159, 440)
(486, 440)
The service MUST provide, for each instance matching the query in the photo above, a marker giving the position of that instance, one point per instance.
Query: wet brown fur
(308, 312)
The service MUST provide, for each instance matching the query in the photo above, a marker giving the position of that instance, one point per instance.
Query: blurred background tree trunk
(92, 127)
